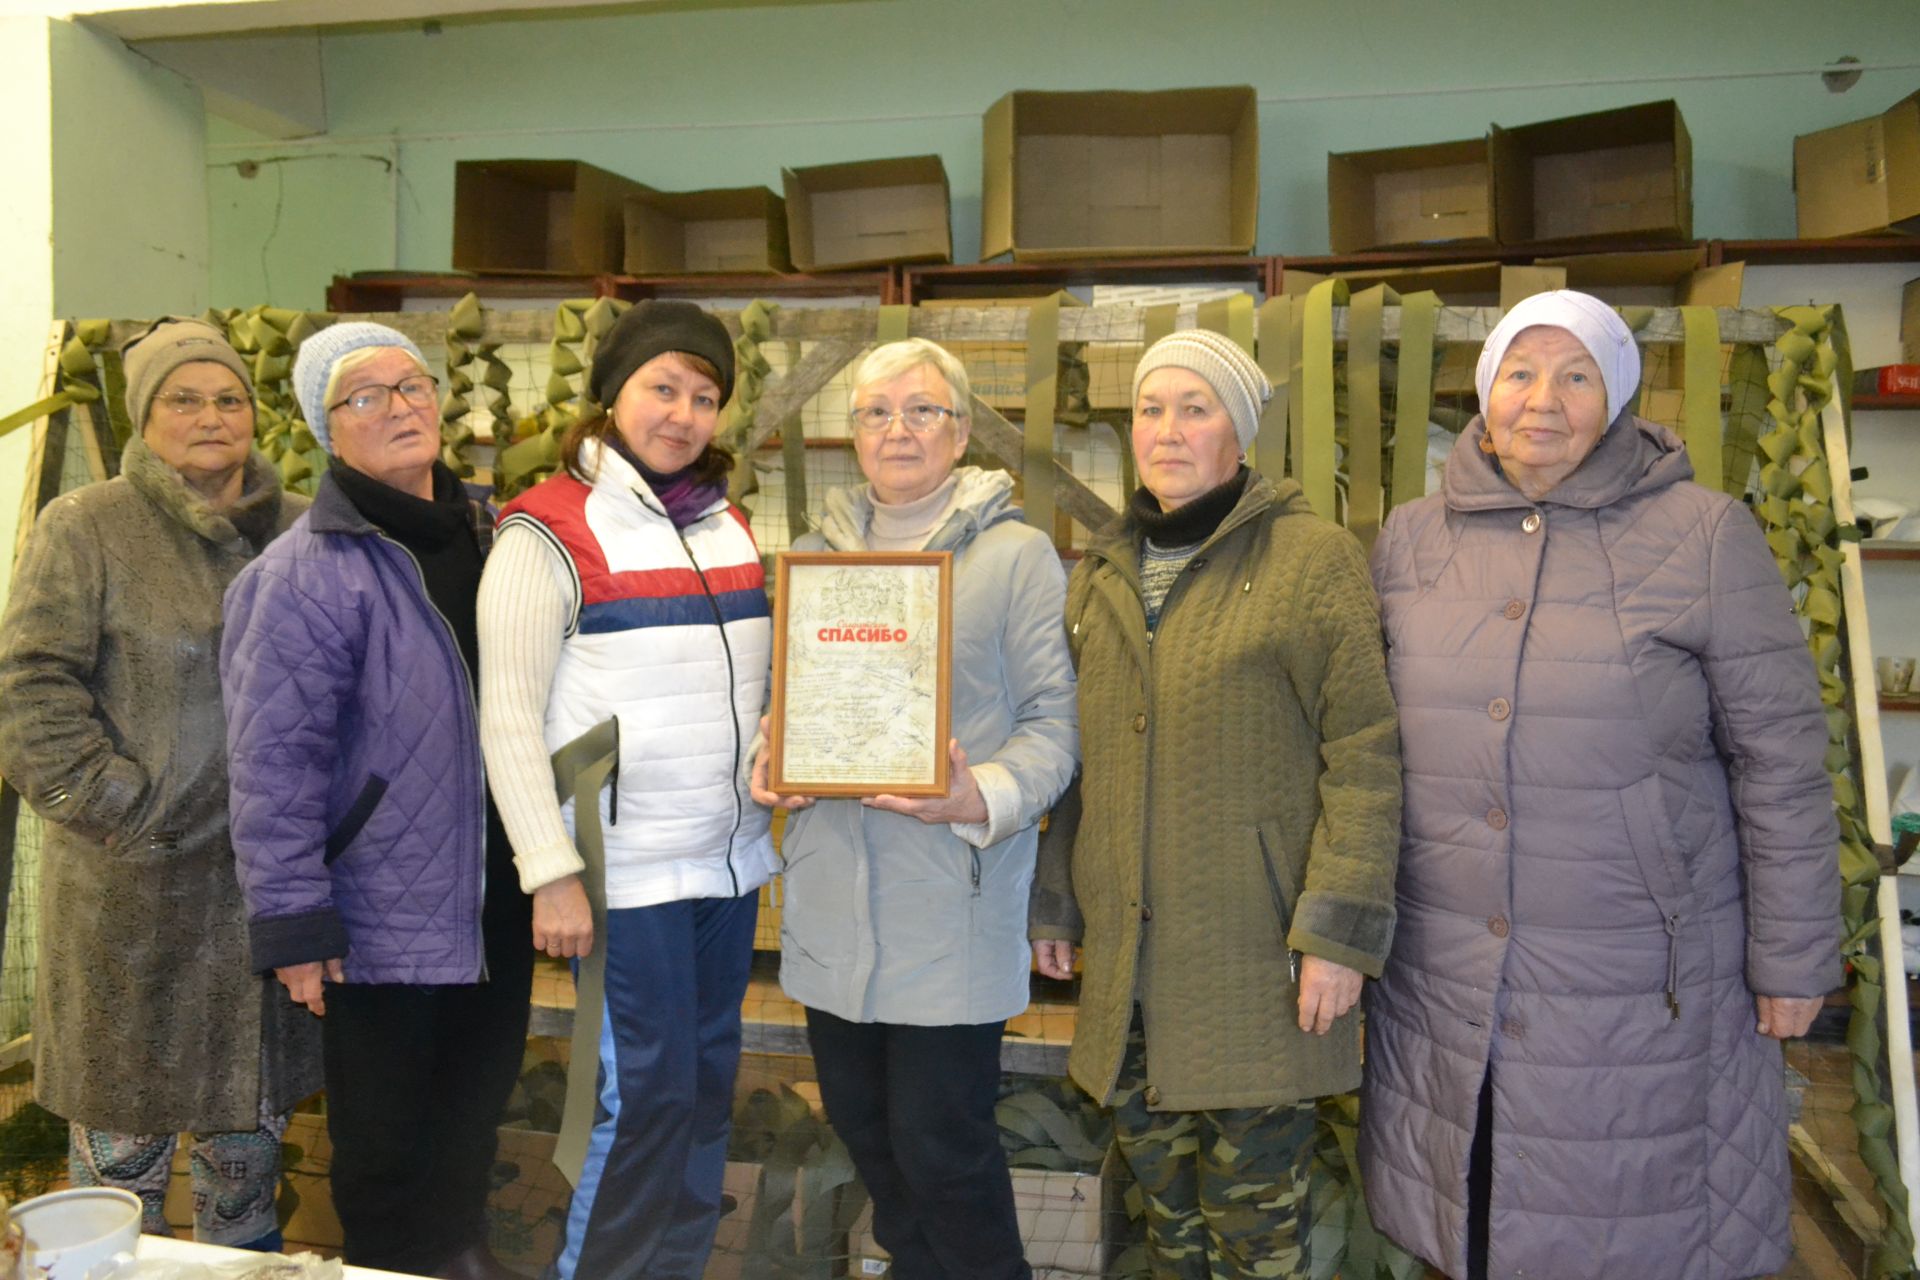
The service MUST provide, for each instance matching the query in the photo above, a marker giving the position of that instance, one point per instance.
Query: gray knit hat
(1231, 372)
(319, 353)
(166, 345)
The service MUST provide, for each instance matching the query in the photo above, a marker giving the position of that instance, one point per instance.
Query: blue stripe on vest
(635, 612)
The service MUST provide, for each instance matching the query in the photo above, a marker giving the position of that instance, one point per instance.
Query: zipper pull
(1293, 965)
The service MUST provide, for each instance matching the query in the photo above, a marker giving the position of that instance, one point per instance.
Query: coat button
(1532, 523)
(1198, 564)
(1497, 819)
(1152, 1095)
(1513, 1029)
(1146, 912)
(1497, 926)
(1140, 723)
(1514, 608)
(1499, 708)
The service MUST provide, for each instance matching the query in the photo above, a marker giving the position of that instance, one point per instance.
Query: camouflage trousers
(1225, 1191)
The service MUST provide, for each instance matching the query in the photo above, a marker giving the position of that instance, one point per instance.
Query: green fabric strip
(1363, 414)
(1318, 413)
(1240, 321)
(1273, 356)
(1159, 321)
(793, 460)
(1296, 399)
(37, 410)
(1413, 397)
(1043, 376)
(1746, 416)
(1700, 407)
(580, 769)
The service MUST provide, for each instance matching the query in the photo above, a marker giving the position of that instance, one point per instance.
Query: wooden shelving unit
(1900, 702)
(918, 284)
(391, 290)
(1909, 404)
(1890, 551)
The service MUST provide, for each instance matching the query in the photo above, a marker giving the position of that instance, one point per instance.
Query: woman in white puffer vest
(626, 588)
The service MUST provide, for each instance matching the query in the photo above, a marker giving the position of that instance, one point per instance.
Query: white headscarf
(1598, 326)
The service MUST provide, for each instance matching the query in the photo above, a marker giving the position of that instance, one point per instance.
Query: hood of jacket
(981, 499)
(1634, 457)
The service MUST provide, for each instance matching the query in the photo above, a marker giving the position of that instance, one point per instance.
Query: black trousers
(915, 1107)
(1480, 1183)
(416, 1079)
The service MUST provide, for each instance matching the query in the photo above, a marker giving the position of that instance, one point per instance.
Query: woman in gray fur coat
(148, 1021)
(1619, 888)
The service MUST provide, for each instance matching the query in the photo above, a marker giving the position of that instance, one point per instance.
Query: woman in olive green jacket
(1228, 859)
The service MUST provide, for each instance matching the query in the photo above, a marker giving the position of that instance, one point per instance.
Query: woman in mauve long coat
(1618, 883)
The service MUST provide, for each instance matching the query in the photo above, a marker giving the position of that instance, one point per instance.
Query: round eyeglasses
(873, 419)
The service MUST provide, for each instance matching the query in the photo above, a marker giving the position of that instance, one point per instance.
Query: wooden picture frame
(862, 695)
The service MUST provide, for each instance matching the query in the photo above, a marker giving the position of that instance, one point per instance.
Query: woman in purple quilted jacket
(1618, 884)
(379, 883)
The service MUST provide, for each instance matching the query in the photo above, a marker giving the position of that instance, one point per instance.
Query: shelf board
(1900, 702)
(1908, 403)
(387, 290)
(1772, 253)
(1441, 255)
(955, 281)
(844, 284)
(1887, 550)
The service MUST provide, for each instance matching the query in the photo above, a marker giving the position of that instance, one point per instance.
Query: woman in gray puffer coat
(1618, 886)
(148, 1020)
(904, 929)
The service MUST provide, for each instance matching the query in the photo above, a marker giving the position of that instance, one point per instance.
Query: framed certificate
(862, 673)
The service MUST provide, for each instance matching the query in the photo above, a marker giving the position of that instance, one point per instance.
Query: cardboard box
(1665, 278)
(1065, 1220)
(735, 229)
(1910, 323)
(1625, 173)
(1861, 178)
(997, 371)
(1120, 174)
(868, 213)
(1435, 194)
(548, 216)
(1110, 364)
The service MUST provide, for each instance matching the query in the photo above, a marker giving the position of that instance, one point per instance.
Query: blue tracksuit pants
(649, 1198)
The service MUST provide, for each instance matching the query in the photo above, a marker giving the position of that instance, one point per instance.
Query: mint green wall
(129, 206)
(694, 97)
(104, 211)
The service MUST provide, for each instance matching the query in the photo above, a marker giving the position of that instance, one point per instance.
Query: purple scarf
(685, 496)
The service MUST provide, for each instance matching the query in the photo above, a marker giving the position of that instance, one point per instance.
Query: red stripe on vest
(560, 503)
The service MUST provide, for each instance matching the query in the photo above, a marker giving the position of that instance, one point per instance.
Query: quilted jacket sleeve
(287, 668)
(1769, 723)
(1036, 762)
(1052, 910)
(1346, 912)
(53, 747)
